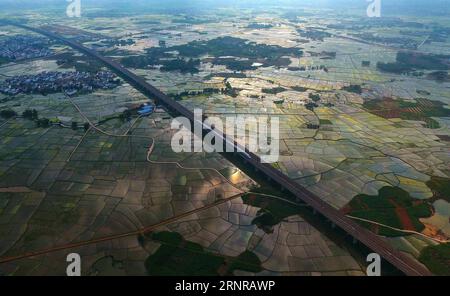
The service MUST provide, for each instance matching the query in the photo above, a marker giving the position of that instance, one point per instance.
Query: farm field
(364, 123)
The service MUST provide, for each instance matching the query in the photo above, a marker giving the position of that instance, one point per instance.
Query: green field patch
(272, 211)
(325, 122)
(178, 257)
(247, 261)
(440, 187)
(393, 207)
(421, 110)
(274, 90)
(437, 259)
(353, 88)
(224, 50)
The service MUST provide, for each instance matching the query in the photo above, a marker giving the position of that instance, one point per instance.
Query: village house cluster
(21, 47)
(70, 83)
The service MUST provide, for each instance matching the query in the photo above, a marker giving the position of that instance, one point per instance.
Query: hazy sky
(390, 6)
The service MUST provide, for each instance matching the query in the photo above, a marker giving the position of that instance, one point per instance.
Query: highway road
(377, 244)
